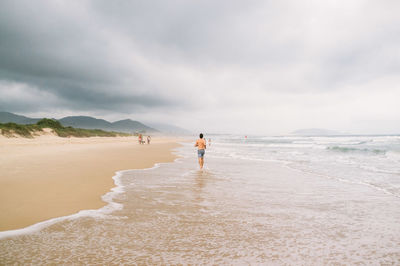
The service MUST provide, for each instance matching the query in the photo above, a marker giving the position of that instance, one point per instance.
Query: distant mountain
(6, 117)
(317, 132)
(127, 125)
(86, 122)
(130, 126)
(170, 129)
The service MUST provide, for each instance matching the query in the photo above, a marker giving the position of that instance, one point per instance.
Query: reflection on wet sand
(201, 179)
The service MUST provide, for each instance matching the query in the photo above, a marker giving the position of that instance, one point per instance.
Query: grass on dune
(9, 129)
(28, 131)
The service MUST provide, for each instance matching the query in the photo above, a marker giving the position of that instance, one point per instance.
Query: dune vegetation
(30, 130)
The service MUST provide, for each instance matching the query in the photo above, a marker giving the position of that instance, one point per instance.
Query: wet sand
(49, 177)
(234, 212)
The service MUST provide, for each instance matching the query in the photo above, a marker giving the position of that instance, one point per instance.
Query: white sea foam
(353, 158)
(394, 156)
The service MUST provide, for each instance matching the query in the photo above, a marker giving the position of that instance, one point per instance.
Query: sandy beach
(49, 177)
(242, 208)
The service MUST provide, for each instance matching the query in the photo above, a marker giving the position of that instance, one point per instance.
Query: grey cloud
(223, 32)
(65, 54)
(188, 58)
(264, 35)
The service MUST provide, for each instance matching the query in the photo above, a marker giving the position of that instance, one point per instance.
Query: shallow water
(236, 211)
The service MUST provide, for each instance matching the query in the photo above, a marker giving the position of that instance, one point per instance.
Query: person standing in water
(201, 146)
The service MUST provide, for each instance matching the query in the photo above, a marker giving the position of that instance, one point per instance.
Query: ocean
(367, 160)
(259, 200)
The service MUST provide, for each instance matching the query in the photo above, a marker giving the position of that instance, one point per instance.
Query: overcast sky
(249, 67)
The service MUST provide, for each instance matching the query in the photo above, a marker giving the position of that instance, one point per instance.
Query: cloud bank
(265, 67)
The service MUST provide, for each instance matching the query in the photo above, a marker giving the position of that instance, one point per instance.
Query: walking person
(201, 149)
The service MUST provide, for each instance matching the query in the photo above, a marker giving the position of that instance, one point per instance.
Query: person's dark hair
(201, 135)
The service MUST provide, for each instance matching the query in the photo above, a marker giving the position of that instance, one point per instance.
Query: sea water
(369, 160)
(259, 200)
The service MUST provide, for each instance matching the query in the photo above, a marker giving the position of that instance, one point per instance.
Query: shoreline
(49, 177)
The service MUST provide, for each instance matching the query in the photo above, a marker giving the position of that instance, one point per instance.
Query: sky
(242, 67)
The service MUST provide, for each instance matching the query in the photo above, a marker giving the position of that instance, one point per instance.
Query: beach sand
(236, 211)
(49, 176)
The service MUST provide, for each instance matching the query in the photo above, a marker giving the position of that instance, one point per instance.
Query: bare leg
(201, 162)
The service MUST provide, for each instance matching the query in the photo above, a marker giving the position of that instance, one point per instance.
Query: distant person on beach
(148, 139)
(201, 149)
(140, 138)
(209, 142)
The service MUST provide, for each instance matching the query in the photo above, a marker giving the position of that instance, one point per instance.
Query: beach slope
(49, 176)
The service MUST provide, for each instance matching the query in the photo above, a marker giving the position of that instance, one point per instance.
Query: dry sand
(49, 177)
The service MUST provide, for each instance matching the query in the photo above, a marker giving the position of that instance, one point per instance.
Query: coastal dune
(49, 176)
